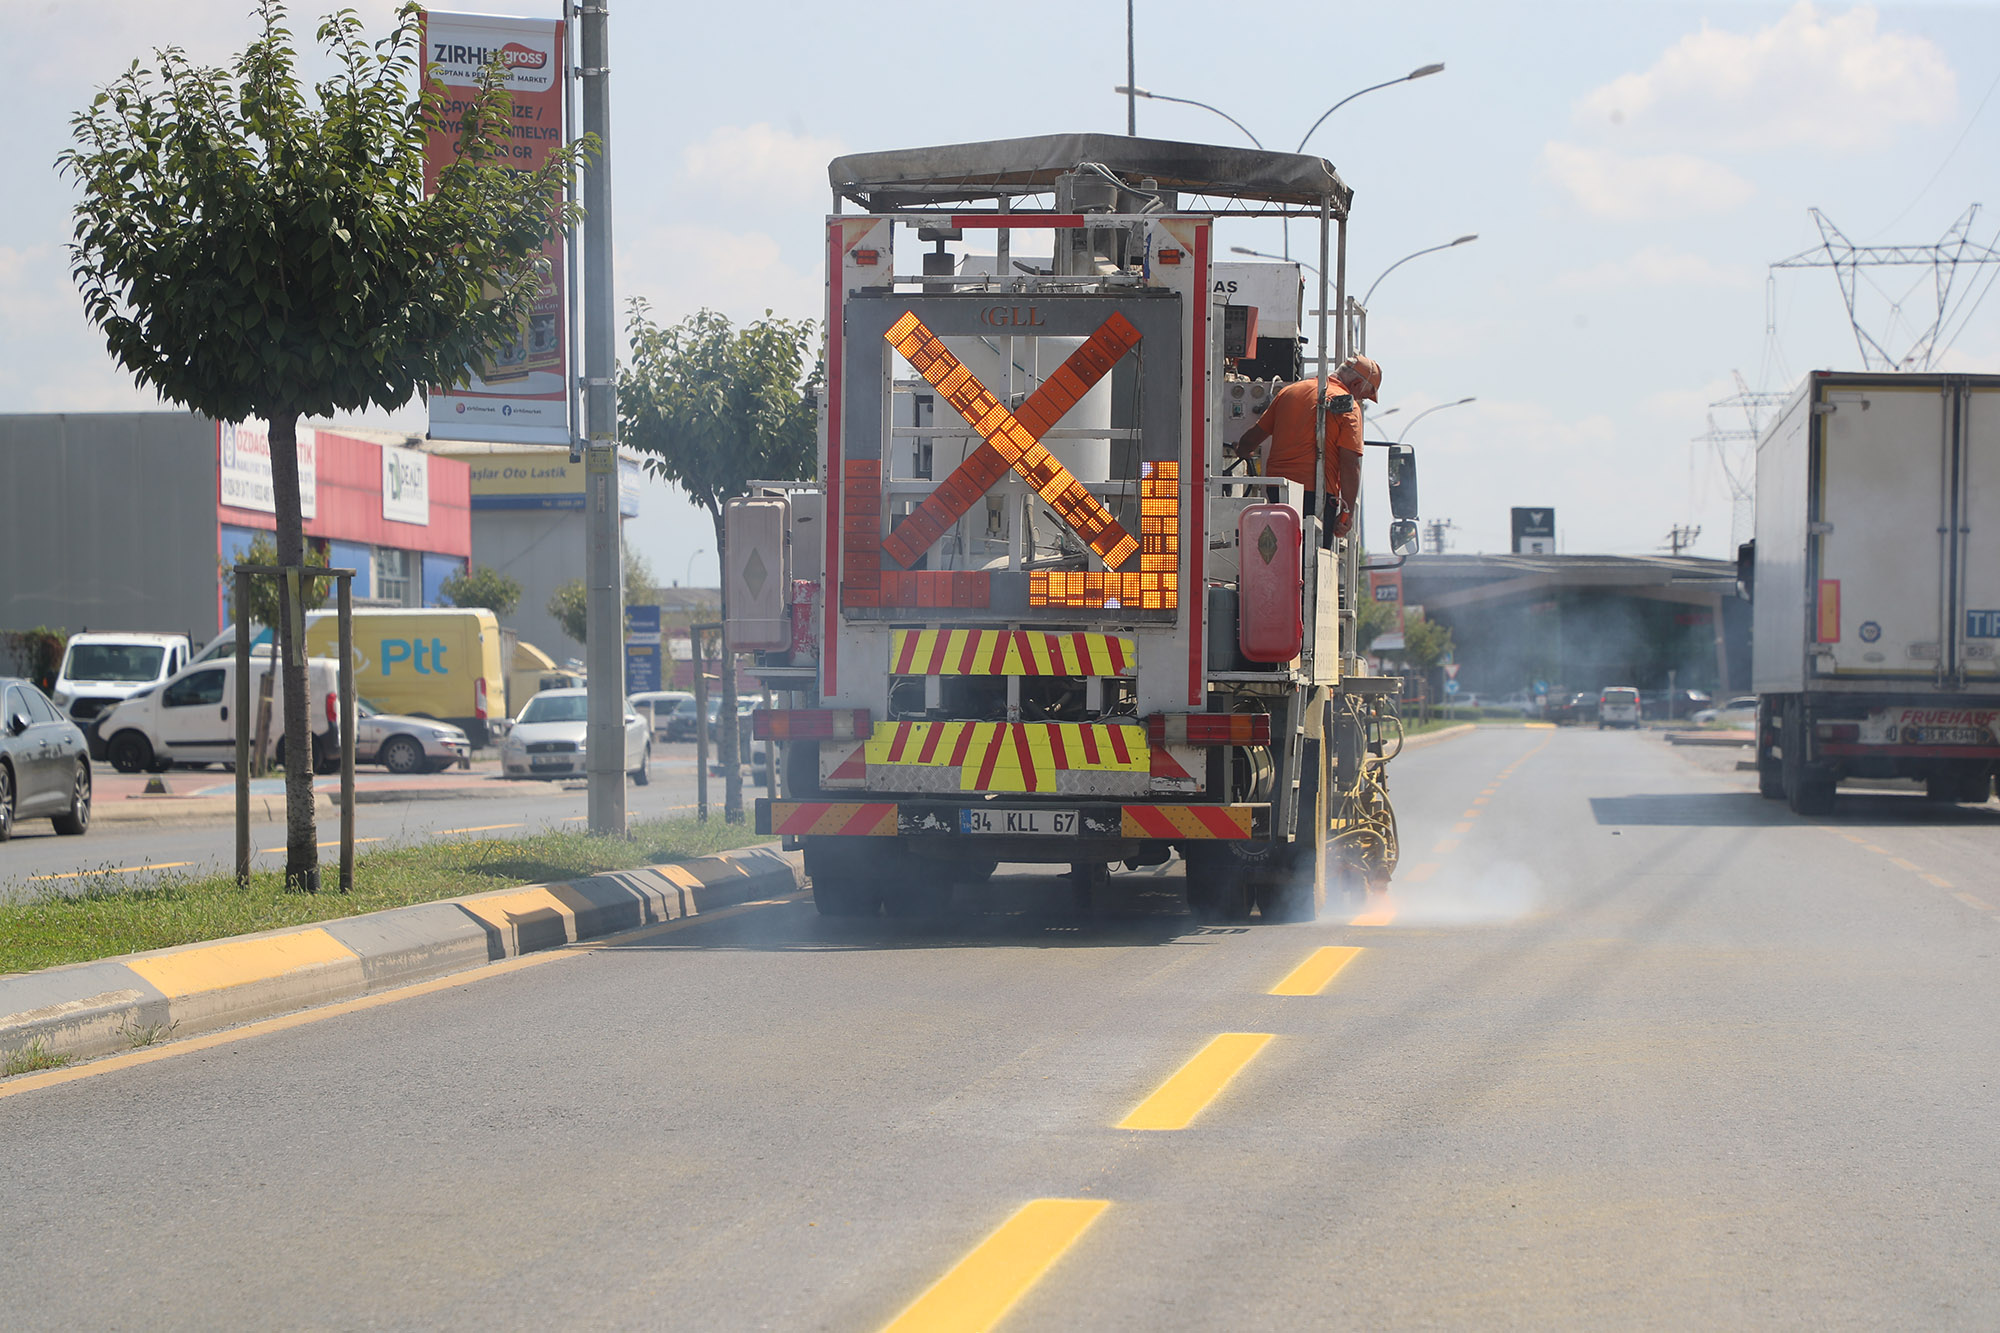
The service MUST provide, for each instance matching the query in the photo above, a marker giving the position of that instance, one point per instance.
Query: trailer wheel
(1806, 792)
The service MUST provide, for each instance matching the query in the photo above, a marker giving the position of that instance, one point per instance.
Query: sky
(1631, 170)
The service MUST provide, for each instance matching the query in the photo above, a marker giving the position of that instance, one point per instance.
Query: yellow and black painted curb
(91, 1009)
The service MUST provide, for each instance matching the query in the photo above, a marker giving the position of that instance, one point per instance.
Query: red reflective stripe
(902, 739)
(908, 657)
(800, 819)
(940, 646)
(1056, 744)
(1153, 820)
(931, 739)
(865, 818)
(992, 757)
(959, 751)
(1118, 745)
(1090, 745)
(1117, 647)
(1027, 654)
(1218, 821)
(968, 653)
(1025, 755)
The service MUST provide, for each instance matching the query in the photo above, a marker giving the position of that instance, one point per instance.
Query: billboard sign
(406, 486)
(1534, 531)
(520, 393)
(531, 481)
(243, 452)
(1386, 586)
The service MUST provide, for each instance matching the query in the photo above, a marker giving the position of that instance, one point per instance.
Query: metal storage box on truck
(441, 663)
(1876, 586)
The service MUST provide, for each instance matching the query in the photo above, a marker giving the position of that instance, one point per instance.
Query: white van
(188, 719)
(1617, 706)
(100, 669)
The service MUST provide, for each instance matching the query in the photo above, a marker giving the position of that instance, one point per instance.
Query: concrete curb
(1433, 737)
(263, 809)
(115, 1004)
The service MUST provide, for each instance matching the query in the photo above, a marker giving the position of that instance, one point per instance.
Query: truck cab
(101, 668)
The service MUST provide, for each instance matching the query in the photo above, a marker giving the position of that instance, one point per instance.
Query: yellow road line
(1973, 901)
(1445, 846)
(476, 828)
(1540, 726)
(1461, 828)
(983, 1286)
(121, 870)
(273, 851)
(1197, 1083)
(1934, 879)
(240, 962)
(187, 1046)
(1379, 913)
(1419, 872)
(1910, 866)
(1320, 968)
(1871, 847)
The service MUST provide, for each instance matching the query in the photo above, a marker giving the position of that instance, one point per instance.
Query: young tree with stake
(252, 247)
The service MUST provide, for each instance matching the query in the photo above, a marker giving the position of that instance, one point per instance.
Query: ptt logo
(413, 652)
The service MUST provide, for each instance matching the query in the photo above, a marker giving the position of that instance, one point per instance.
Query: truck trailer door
(1882, 466)
(1978, 619)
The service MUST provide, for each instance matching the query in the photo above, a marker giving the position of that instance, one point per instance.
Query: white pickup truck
(187, 719)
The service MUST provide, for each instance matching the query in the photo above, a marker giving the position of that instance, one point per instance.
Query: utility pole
(1131, 77)
(1434, 534)
(1681, 536)
(604, 607)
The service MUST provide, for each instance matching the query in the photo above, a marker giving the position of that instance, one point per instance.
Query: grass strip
(103, 915)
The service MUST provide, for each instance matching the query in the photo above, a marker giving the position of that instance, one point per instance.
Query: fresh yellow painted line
(273, 851)
(121, 870)
(1381, 912)
(983, 1286)
(240, 962)
(1419, 872)
(512, 908)
(1482, 798)
(1462, 827)
(682, 876)
(1935, 880)
(1871, 847)
(1910, 866)
(1313, 975)
(1197, 1083)
(189, 1045)
(476, 828)
(1445, 846)
(1973, 901)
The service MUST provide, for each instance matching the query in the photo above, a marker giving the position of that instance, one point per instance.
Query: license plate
(1947, 736)
(548, 761)
(1031, 823)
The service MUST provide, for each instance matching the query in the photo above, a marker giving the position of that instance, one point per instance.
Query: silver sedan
(407, 744)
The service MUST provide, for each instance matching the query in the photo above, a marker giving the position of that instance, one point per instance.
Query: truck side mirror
(1403, 483)
(1403, 536)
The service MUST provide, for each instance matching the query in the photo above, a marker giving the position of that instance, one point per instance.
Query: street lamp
(1421, 72)
(1426, 412)
(687, 575)
(1128, 92)
(1265, 254)
(1431, 250)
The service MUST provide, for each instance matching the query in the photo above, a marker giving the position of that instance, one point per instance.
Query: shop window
(392, 576)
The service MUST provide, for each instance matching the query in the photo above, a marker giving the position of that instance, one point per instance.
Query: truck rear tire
(847, 874)
(1770, 776)
(1219, 884)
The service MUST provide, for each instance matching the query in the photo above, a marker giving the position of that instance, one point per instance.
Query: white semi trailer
(1875, 578)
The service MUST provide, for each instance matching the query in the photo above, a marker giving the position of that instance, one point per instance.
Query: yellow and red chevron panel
(871, 819)
(995, 652)
(1187, 821)
(1017, 444)
(1049, 757)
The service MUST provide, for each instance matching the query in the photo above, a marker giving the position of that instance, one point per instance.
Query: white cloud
(1628, 188)
(760, 164)
(1833, 82)
(681, 268)
(1656, 266)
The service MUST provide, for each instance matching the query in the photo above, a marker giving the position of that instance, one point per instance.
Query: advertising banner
(406, 486)
(520, 394)
(518, 481)
(244, 453)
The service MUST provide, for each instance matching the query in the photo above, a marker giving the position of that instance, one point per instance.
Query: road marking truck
(1025, 612)
(1875, 585)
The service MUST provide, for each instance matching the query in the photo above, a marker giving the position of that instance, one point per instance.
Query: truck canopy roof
(915, 178)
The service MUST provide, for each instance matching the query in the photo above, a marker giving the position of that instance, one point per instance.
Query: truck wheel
(1976, 788)
(1941, 785)
(1294, 888)
(130, 752)
(1770, 778)
(1219, 885)
(1088, 879)
(1806, 792)
(847, 875)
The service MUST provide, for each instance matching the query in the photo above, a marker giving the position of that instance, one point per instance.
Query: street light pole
(1131, 92)
(1131, 78)
(687, 575)
(604, 600)
(1421, 72)
(1426, 412)
(1407, 258)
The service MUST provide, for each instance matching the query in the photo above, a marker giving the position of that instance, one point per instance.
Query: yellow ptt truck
(435, 662)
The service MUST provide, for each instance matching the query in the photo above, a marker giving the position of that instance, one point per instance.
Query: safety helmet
(1360, 375)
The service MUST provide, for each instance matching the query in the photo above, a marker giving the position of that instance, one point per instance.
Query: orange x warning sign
(1013, 440)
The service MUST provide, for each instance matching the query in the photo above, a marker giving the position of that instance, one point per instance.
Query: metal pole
(242, 728)
(604, 613)
(1325, 364)
(696, 638)
(571, 244)
(1131, 78)
(345, 613)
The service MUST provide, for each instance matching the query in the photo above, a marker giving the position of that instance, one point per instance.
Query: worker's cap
(1361, 375)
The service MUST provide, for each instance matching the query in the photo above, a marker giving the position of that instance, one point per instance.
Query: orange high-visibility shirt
(1289, 423)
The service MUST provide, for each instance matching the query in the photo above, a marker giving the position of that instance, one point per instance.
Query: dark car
(1578, 709)
(44, 764)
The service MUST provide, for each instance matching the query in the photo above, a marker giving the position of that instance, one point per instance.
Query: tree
(1425, 643)
(715, 407)
(482, 586)
(41, 651)
(263, 550)
(249, 247)
(1372, 619)
(570, 599)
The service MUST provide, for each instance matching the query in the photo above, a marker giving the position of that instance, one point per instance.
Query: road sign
(1451, 687)
(1541, 687)
(1451, 670)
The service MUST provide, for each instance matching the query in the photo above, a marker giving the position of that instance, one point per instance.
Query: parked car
(1577, 708)
(1617, 706)
(548, 741)
(1738, 712)
(101, 669)
(1673, 704)
(407, 744)
(659, 707)
(44, 765)
(186, 720)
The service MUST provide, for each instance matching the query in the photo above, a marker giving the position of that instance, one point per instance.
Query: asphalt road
(38, 859)
(1628, 1046)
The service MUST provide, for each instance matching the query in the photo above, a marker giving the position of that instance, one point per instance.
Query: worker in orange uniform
(1288, 425)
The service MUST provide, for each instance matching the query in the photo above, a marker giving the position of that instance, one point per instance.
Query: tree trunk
(301, 835)
(731, 744)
